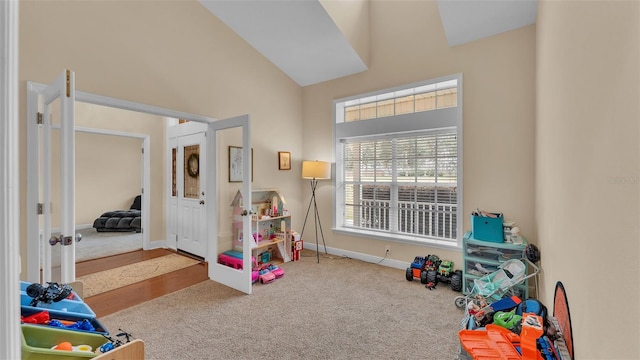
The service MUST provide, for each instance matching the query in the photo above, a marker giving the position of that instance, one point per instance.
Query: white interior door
(58, 147)
(229, 175)
(191, 195)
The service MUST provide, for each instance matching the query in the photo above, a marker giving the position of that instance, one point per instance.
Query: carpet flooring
(338, 309)
(107, 280)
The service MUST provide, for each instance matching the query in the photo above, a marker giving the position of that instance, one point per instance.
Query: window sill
(405, 239)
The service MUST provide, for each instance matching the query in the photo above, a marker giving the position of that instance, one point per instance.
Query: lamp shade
(318, 170)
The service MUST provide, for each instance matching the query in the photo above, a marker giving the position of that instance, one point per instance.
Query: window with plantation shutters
(400, 175)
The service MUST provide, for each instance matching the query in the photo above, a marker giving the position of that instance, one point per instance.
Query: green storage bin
(37, 342)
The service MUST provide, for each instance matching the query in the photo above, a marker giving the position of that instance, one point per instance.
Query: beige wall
(588, 169)
(408, 45)
(109, 168)
(172, 54)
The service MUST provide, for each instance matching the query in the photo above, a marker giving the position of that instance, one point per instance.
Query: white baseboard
(363, 257)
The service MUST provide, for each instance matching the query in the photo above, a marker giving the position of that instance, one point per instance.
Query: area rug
(103, 281)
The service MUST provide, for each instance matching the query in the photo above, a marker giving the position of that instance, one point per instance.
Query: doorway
(187, 164)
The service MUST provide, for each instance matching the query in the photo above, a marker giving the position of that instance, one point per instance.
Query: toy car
(276, 270)
(443, 272)
(420, 266)
(416, 270)
(266, 276)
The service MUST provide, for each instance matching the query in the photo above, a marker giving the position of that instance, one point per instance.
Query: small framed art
(284, 160)
(235, 164)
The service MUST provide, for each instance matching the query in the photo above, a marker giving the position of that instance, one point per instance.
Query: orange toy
(66, 346)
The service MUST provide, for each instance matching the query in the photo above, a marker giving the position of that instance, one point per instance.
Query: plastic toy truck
(420, 266)
(444, 272)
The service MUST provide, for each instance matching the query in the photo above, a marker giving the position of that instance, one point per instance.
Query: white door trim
(9, 183)
(33, 88)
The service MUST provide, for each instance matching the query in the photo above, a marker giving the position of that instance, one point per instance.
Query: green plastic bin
(37, 342)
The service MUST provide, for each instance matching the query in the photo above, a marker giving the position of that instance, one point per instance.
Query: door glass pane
(191, 171)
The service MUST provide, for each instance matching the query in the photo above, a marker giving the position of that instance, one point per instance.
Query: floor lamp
(315, 170)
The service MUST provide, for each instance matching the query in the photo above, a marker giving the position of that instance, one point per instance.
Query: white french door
(57, 146)
(222, 135)
(191, 195)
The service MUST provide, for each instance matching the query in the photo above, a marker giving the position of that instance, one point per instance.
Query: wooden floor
(130, 295)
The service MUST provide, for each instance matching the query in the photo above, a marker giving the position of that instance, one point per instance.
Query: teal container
(38, 341)
(487, 228)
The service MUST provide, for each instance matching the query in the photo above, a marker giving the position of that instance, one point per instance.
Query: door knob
(64, 240)
(244, 213)
(78, 237)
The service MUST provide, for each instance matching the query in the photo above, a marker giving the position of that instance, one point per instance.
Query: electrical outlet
(387, 249)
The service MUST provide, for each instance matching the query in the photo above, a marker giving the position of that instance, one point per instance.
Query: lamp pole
(316, 219)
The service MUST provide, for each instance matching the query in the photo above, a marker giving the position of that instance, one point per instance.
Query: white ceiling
(301, 39)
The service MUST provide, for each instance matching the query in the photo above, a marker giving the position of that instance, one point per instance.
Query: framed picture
(235, 164)
(284, 160)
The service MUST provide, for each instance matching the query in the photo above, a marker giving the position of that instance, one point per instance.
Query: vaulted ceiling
(304, 40)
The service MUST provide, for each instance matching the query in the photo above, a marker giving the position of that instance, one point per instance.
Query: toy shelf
(265, 244)
(487, 256)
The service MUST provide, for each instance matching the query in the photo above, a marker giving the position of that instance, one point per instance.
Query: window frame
(434, 120)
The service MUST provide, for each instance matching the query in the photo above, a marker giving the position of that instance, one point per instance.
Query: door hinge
(39, 119)
(40, 208)
(142, 149)
(68, 83)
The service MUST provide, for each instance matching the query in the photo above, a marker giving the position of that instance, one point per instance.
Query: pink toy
(266, 276)
(276, 270)
(231, 261)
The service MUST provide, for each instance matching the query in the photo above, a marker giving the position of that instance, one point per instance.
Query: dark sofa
(121, 220)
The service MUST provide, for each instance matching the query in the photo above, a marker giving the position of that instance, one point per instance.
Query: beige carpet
(104, 281)
(337, 309)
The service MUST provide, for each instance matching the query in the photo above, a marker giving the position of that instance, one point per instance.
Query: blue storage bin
(71, 307)
(99, 328)
(487, 228)
(24, 285)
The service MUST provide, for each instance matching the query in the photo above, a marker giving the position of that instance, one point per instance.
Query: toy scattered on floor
(53, 292)
(446, 274)
(416, 270)
(266, 276)
(419, 267)
(431, 270)
(276, 270)
(269, 272)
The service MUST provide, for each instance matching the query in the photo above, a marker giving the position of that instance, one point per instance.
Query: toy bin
(487, 228)
(24, 284)
(492, 343)
(38, 341)
(70, 307)
(99, 328)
